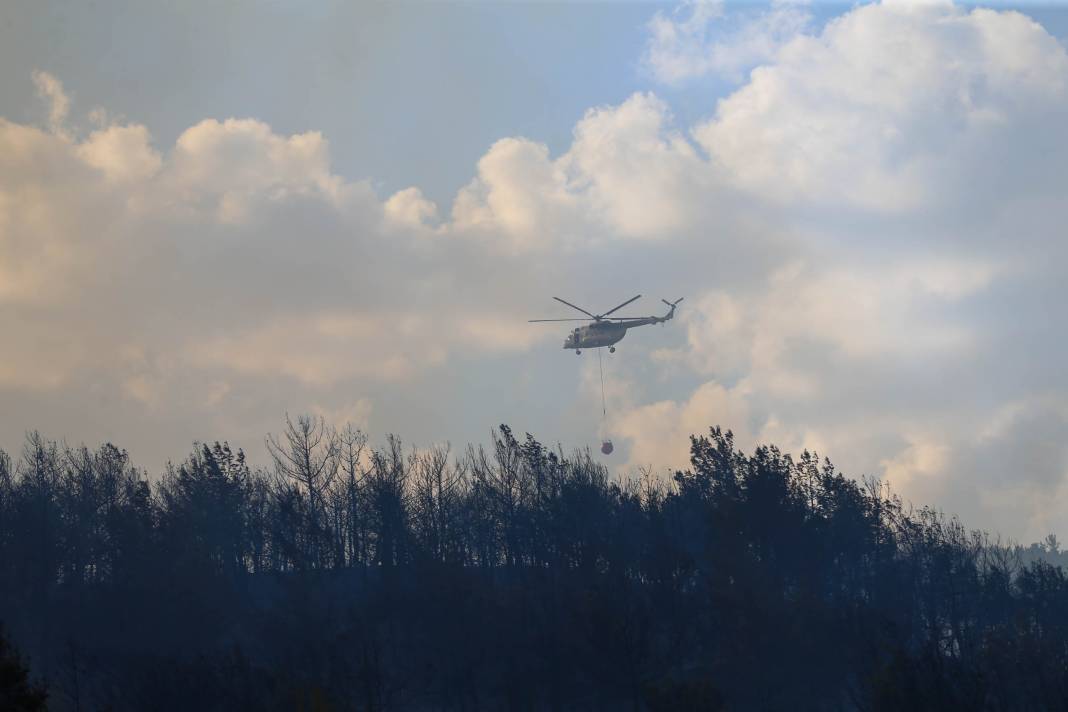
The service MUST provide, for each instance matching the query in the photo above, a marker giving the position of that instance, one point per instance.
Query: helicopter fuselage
(604, 333)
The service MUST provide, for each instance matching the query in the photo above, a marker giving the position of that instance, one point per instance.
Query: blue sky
(212, 214)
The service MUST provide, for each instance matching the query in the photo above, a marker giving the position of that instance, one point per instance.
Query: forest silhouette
(513, 576)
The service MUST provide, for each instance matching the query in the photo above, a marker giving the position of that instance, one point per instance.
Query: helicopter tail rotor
(673, 304)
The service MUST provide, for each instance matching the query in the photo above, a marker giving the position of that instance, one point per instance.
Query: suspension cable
(600, 366)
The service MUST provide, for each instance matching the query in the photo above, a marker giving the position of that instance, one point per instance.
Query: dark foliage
(17, 693)
(353, 578)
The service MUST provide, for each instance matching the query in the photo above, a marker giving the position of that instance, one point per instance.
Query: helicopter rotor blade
(531, 321)
(579, 308)
(619, 307)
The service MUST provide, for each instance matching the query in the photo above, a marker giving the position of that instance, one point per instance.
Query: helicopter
(605, 330)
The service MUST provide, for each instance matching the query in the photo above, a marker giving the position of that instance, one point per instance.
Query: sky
(214, 214)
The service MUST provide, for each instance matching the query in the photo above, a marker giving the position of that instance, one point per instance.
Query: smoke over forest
(513, 576)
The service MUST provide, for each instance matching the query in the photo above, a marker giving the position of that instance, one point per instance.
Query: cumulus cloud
(121, 153)
(639, 176)
(231, 167)
(408, 208)
(627, 174)
(519, 192)
(899, 107)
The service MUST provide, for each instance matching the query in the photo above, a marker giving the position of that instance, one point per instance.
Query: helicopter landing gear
(611, 349)
(577, 352)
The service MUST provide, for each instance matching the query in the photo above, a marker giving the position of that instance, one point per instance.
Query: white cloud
(627, 174)
(231, 167)
(897, 107)
(859, 311)
(51, 89)
(639, 177)
(658, 433)
(51, 215)
(922, 458)
(701, 38)
(409, 208)
(520, 192)
(122, 153)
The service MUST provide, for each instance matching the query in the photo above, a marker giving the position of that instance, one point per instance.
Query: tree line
(351, 577)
